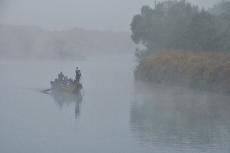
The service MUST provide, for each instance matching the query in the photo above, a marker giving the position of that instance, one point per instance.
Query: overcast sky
(112, 15)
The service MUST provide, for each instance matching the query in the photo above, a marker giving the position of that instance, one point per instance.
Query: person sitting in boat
(78, 75)
(60, 77)
(53, 83)
(65, 81)
(70, 81)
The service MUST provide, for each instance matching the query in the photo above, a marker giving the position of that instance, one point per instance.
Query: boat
(73, 88)
(62, 84)
(65, 90)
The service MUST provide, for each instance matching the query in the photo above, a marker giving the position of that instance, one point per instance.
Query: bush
(205, 71)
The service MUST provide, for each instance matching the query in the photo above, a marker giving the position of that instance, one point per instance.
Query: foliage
(179, 25)
(208, 71)
(222, 11)
(201, 34)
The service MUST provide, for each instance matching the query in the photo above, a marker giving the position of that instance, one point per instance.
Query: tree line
(179, 25)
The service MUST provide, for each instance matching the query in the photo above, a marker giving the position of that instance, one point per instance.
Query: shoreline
(203, 71)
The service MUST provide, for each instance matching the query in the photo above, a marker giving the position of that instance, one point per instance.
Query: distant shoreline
(21, 41)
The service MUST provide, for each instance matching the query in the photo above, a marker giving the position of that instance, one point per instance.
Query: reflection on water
(169, 121)
(62, 99)
(180, 120)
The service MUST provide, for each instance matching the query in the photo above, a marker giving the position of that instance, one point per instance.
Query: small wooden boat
(63, 84)
(67, 88)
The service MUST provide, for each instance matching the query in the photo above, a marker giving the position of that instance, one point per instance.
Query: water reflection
(62, 99)
(182, 120)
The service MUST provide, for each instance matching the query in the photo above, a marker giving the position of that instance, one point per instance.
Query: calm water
(115, 115)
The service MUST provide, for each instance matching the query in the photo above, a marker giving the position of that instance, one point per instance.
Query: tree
(147, 27)
(164, 26)
(222, 12)
(202, 33)
(178, 25)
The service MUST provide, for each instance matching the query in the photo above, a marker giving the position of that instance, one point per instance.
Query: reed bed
(205, 71)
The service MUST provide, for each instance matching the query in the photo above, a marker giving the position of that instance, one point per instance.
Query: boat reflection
(65, 90)
(62, 99)
(182, 121)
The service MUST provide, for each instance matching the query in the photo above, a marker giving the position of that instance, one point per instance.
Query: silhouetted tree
(202, 33)
(178, 25)
(222, 12)
(164, 26)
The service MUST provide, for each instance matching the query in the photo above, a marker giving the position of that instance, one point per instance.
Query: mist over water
(115, 113)
(173, 119)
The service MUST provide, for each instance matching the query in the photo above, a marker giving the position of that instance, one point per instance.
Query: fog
(190, 122)
(35, 42)
(114, 15)
(114, 113)
(119, 76)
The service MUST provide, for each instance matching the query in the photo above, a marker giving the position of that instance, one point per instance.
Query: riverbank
(204, 71)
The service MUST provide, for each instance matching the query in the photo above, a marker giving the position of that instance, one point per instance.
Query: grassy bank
(205, 71)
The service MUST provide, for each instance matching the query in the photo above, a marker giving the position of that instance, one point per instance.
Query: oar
(46, 91)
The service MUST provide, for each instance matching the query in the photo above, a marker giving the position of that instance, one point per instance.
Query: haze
(113, 15)
(120, 76)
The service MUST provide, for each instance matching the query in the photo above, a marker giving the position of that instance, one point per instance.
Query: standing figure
(78, 75)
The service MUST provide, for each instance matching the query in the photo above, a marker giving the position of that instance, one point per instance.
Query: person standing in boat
(78, 74)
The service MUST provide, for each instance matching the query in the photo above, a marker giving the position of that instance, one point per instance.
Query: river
(115, 115)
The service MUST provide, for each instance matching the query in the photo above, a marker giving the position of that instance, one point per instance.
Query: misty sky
(112, 15)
